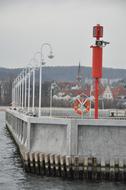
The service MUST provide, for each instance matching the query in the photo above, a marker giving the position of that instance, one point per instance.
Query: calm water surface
(12, 176)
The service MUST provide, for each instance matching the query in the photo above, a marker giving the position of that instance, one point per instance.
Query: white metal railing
(69, 113)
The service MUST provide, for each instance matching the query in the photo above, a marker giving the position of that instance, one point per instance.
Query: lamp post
(50, 56)
(33, 90)
(15, 92)
(18, 100)
(19, 91)
(18, 85)
(25, 92)
(29, 84)
(22, 89)
(12, 99)
(53, 85)
(31, 70)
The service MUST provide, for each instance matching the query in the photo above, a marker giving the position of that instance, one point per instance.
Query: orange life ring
(80, 106)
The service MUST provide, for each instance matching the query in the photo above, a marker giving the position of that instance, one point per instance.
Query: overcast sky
(66, 25)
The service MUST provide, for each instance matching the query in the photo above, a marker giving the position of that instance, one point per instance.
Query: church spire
(79, 76)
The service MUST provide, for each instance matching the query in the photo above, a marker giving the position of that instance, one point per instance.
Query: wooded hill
(64, 73)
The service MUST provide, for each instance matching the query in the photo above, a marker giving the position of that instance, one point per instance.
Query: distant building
(79, 75)
(107, 94)
(119, 92)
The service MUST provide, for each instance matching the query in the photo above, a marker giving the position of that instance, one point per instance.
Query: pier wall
(74, 142)
(98, 138)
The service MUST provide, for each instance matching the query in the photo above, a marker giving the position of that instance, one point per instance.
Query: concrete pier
(69, 147)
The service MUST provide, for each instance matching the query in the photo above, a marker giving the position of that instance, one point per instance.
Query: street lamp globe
(51, 56)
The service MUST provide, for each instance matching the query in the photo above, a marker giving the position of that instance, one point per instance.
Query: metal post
(29, 90)
(90, 98)
(33, 97)
(18, 100)
(96, 97)
(12, 98)
(14, 95)
(40, 90)
(25, 88)
(51, 90)
(18, 93)
(53, 85)
(50, 56)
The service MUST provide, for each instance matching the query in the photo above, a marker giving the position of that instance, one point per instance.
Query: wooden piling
(52, 164)
(41, 164)
(31, 160)
(74, 167)
(47, 164)
(36, 160)
(62, 166)
(68, 166)
(57, 165)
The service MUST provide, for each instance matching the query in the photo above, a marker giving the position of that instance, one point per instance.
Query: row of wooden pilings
(73, 167)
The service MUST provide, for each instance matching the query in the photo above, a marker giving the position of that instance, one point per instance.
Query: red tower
(97, 61)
